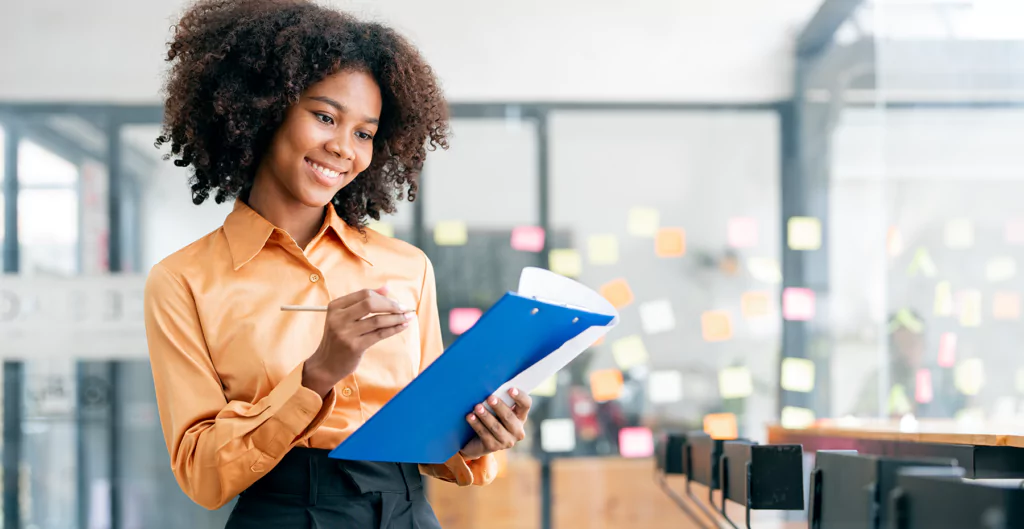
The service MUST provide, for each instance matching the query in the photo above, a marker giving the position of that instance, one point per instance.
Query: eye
(324, 118)
(364, 136)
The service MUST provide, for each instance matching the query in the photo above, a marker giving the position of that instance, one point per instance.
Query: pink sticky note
(923, 389)
(798, 304)
(460, 320)
(636, 442)
(947, 350)
(742, 232)
(1015, 231)
(528, 238)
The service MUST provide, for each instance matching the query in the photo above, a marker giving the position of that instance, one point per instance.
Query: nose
(341, 146)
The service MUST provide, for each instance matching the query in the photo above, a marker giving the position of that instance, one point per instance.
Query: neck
(278, 207)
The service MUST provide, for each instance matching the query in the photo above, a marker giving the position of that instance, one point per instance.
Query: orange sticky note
(1006, 306)
(894, 242)
(606, 384)
(716, 325)
(670, 242)
(617, 292)
(755, 304)
(721, 426)
(598, 342)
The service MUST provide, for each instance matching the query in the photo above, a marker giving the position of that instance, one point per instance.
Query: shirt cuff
(297, 412)
(457, 470)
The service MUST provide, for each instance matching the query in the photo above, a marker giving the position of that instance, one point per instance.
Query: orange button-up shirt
(227, 362)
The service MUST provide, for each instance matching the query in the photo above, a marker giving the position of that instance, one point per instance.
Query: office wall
(678, 50)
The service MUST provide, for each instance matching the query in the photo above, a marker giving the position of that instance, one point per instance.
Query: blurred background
(804, 210)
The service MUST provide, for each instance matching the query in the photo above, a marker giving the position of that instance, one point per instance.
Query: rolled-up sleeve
(217, 447)
(456, 470)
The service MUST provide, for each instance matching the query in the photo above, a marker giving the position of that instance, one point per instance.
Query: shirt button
(347, 392)
(314, 277)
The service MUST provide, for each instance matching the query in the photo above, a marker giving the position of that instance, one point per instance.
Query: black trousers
(309, 490)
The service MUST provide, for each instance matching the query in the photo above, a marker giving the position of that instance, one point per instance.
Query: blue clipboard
(426, 421)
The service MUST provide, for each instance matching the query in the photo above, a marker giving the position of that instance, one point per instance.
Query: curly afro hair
(238, 65)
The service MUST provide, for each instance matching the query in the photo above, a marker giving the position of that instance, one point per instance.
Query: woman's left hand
(500, 432)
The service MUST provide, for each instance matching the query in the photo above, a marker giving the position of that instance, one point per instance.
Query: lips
(325, 175)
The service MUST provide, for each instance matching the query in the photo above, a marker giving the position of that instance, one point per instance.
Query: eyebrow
(341, 108)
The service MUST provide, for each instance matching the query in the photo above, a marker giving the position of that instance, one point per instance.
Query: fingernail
(407, 316)
(401, 308)
(493, 401)
(471, 417)
(514, 392)
(479, 408)
(405, 324)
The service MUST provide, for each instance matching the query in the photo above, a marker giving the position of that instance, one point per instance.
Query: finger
(372, 303)
(508, 418)
(370, 338)
(380, 321)
(485, 435)
(503, 436)
(523, 403)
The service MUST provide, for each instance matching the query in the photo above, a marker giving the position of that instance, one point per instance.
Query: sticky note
(450, 233)
(643, 222)
(742, 232)
(729, 265)
(1000, 269)
(670, 242)
(970, 308)
(565, 261)
(969, 376)
(803, 233)
(603, 249)
(1006, 306)
(923, 386)
(547, 388)
(764, 270)
(528, 238)
(947, 350)
(755, 304)
(716, 325)
(899, 403)
(797, 375)
(384, 228)
(959, 234)
(598, 342)
(636, 442)
(894, 242)
(922, 264)
(798, 304)
(558, 435)
(1020, 380)
(606, 384)
(943, 299)
(1015, 231)
(629, 351)
(617, 292)
(657, 316)
(721, 426)
(735, 382)
(665, 387)
(904, 319)
(795, 418)
(462, 319)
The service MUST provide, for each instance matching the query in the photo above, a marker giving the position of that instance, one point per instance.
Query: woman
(312, 121)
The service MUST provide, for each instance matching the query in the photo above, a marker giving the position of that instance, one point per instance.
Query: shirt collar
(247, 233)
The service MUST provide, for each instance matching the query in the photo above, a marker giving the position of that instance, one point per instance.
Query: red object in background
(798, 304)
(528, 238)
(584, 413)
(947, 350)
(923, 391)
(636, 442)
(461, 320)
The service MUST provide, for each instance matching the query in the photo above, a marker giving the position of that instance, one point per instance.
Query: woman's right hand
(349, 331)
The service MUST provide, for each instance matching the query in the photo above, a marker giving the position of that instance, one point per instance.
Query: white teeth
(325, 171)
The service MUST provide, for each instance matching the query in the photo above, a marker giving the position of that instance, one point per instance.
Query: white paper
(550, 287)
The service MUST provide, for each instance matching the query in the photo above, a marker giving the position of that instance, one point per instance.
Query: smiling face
(324, 142)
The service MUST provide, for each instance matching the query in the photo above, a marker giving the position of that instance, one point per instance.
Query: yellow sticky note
(765, 270)
(617, 292)
(603, 249)
(1006, 306)
(548, 388)
(796, 418)
(665, 386)
(670, 242)
(797, 374)
(969, 376)
(899, 402)
(1001, 269)
(943, 299)
(384, 228)
(755, 304)
(804, 233)
(970, 308)
(629, 351)
(959, 234)
(606, 384)
(565, 261)
(735, 382)
(894, 242)
(1020, 380)
(721, 426)
(716, 325)
(450, 233)
(643, 222)
(922, 263)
